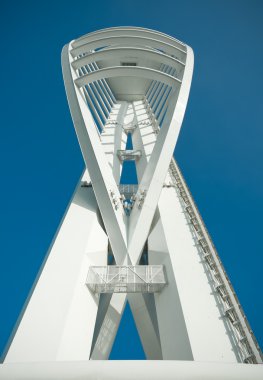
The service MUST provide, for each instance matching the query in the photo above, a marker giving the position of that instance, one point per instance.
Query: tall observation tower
(132, 232)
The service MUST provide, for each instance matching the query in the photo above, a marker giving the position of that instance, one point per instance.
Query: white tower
(143, 243)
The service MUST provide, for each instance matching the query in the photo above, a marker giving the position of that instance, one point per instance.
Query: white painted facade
(131, 83)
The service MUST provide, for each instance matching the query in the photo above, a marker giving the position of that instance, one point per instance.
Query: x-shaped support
(127, 236)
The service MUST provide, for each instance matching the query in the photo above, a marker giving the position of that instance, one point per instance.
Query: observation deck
(129, 155)
(126, 279)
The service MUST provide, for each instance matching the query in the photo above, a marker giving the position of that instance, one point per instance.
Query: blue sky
(219, 149)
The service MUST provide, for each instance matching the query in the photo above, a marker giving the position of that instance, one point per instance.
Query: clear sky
(219, 149)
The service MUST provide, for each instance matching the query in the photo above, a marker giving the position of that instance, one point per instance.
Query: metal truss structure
(142, 243)
(126, 279)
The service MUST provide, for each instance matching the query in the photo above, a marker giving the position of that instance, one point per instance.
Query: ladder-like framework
(245, 339)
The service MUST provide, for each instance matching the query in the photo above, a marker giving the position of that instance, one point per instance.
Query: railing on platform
(126, 279)
(129, 155)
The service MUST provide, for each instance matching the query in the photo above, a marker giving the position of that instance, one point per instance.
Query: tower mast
(144, 243)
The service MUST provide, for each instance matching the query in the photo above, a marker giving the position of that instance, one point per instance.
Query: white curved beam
(95, 160)
(118, 52)
(130, 41)
(134, 31)
(155, 172)
(128, 71)
(167, 134)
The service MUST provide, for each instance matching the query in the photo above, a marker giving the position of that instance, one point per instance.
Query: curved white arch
(129, 41)
(159, 161)
(175, 113)
(126, 71)
(128, 247)
(118, 52)
(162, 154)
(132, 31)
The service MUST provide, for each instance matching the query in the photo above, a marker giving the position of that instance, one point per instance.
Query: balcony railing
(129, 155)
(126, 279)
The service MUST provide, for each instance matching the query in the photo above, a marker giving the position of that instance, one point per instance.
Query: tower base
(128, 370)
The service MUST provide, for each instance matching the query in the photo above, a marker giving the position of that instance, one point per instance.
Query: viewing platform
(126, 279)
